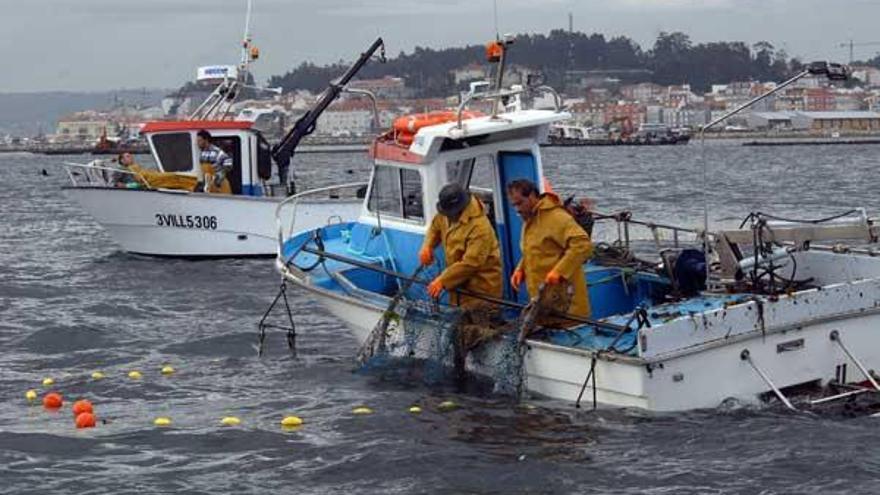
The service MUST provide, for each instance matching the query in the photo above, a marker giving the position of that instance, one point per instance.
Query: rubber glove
(517, 279)
(435, 288)
(553, 278)
(426, 256)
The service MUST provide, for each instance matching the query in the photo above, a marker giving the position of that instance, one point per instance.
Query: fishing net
(438, 344)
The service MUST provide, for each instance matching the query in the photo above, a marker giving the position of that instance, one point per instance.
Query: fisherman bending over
(554, 249)
(473, 263)
(216, 165)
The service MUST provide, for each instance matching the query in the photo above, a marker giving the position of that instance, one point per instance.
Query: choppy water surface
(71, 303)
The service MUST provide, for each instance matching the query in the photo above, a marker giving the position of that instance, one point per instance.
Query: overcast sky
(108, 44)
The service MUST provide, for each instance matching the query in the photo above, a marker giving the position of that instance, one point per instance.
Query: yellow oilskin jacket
(163, 180)
(208, 171)
(473, 257)
(552, 240)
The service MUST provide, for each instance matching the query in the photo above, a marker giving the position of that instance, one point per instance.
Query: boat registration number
(208, 222)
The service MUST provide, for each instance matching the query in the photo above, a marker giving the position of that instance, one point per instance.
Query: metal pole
(247, 35)
(703, 129)
(835, 337)
(746, 356)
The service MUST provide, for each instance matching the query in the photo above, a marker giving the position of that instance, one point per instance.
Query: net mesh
(438, 343)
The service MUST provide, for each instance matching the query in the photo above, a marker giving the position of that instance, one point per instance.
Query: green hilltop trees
(674, 59)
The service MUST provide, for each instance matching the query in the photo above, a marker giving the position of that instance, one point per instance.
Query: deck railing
(293, 202)
(94, 174)
(658, 231)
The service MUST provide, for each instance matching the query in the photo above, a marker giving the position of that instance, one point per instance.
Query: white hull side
(703, 378)
(167, 223)
(706, 378)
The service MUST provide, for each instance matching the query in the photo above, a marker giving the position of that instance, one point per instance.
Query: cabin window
(459, 171)
(411, 184)
(476, 172)
(385, 191)
(397, 192)
(174, 151)
(477, 175)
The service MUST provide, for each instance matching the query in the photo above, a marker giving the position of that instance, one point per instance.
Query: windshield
(174, 151)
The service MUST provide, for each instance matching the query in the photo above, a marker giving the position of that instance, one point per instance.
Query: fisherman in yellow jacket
(473, 258)
(554, 249)
(473, 263)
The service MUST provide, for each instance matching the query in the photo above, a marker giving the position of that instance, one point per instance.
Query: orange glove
(426, 256)
(435, 288)
(517, 279)
(553, 278)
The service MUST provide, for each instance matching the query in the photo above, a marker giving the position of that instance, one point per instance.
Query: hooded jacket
(473, 257)
(553, 240)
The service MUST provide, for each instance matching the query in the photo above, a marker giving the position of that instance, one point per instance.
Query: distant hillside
(674, 59)
(26, 114)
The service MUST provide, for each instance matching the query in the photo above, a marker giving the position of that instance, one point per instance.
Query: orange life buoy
(406, 127)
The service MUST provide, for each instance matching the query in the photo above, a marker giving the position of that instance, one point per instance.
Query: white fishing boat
(778, 311)
(180, 222)
(166, 213)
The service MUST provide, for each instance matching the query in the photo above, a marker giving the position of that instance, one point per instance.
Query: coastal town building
(836, 121)
(769, 121)
(470, 72)
(642, 92)
(387, 87)
(869, 76)
(77, 130)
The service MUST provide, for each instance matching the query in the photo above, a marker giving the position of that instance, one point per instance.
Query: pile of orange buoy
(83, 412)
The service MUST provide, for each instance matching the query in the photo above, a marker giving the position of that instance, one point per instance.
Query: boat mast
(246, 39)
(219, 103)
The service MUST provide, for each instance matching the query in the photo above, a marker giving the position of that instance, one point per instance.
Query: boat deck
(592, 338)
(615, 293)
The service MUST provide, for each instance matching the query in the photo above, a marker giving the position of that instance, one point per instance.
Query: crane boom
(305, 125)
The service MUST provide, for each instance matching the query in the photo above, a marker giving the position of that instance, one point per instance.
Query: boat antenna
(495, 19)
(246, 39)
(833, 71)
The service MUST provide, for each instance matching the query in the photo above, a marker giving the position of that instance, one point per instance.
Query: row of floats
(85, 416)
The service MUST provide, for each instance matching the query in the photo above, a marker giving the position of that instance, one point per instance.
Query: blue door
(513, 166)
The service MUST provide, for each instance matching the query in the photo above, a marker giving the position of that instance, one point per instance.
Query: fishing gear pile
(435, 343)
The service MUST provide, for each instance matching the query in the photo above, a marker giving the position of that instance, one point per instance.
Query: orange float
(82, 406)
(406, 127)
(85, 420)
(52, 400)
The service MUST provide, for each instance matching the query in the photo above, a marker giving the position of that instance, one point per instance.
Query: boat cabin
(173, 145)
(483, 155)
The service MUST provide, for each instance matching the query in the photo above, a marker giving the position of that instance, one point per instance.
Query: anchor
(291, 330)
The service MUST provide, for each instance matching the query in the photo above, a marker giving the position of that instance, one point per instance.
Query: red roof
(195, 125)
